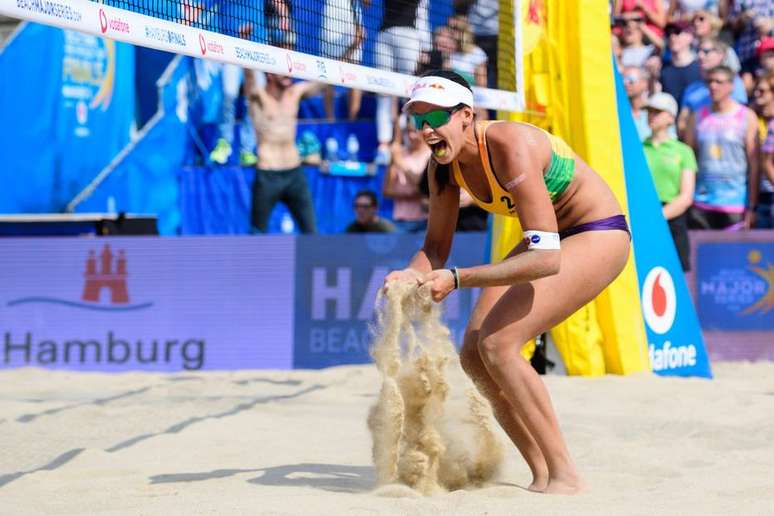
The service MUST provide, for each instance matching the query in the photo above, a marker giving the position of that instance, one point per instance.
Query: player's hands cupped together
(441, 283)
(402, 275)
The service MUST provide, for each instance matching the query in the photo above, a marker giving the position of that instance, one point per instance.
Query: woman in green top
(516, 170)
(673, 167)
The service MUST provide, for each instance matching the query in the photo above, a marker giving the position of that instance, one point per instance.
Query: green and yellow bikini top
(557, 176)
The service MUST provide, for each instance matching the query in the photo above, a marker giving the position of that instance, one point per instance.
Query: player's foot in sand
(538, 485)
(565, 486)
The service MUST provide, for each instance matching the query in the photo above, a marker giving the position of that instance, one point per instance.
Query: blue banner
(147, 179)
(735, 286)
(337, 278)
(146, 303)
(66, 109)
(675, 343)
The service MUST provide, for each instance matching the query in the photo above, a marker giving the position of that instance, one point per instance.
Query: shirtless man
(278, 176)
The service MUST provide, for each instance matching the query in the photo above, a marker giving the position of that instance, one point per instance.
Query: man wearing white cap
(673, 167)
(575, 242)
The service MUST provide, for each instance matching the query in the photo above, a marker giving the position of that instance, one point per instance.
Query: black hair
(448, 74)
(442, 171)
(371, 196)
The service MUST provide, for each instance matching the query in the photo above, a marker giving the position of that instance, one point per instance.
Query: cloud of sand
(431, 428)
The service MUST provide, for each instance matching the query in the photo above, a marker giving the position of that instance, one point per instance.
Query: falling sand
(431, 429)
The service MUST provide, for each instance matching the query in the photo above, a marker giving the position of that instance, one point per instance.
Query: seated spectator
(765, 57)
(673, 167)
(483, 16)
(341, 38)
(636, 85)
(366, 218)
(439, 57)
(725, 138)
(650, 11)
(278, 175)
(708, 26)
(763, 105)
(401, 182)
(686, 9)
(683, 68)
(751, 21)
(468, 59)
(404, 34)
(635, 52)
(697, 94)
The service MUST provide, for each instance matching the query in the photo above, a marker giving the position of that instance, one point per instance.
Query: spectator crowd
(699, 75)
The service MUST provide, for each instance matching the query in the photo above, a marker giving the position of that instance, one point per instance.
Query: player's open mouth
(439, 148)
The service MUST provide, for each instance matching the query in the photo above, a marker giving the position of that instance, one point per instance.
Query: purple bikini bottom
(614, 222)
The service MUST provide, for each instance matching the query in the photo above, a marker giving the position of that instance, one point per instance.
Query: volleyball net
(371, 45)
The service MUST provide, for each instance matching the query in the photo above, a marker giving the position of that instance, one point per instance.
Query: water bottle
(353, 147)
(331, 149)
(286, 224)
(111, 205)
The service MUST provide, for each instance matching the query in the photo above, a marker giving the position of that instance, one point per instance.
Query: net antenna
(181, 27)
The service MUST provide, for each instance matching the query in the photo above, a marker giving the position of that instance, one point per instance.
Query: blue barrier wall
(201, 303)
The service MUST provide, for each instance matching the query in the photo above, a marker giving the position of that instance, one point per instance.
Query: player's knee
(492, 348)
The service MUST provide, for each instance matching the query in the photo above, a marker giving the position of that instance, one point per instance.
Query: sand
(296, 442)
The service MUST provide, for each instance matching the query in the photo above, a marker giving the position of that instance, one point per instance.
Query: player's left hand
(441, 283)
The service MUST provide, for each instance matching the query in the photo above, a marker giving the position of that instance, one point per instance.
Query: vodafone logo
(659, 301)
(115, 25)
(103, 21)
(202, 44)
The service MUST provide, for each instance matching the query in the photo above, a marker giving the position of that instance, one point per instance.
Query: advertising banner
(153, 304)
(675, 343)
(735, 286)
(337, 278)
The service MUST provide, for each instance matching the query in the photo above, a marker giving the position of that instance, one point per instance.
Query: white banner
(147, 31)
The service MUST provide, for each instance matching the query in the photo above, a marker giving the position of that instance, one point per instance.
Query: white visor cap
(440, 92)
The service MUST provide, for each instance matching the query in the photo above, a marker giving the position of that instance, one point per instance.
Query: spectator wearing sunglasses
(635, 52)
(686, 9)
(367, 219)
(708, 26)
(724, 135)
(636, 85)
(683, 68)
(697, 94)
(575, 241)
(651, 12)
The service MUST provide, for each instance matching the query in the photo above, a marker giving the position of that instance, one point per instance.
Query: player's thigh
(589, 262)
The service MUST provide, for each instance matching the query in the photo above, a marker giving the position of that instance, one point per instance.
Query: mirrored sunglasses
(435, 118)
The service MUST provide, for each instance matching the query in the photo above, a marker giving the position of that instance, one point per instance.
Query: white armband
(541, 240)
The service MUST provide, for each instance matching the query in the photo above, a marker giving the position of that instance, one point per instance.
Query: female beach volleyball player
(576, 241)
